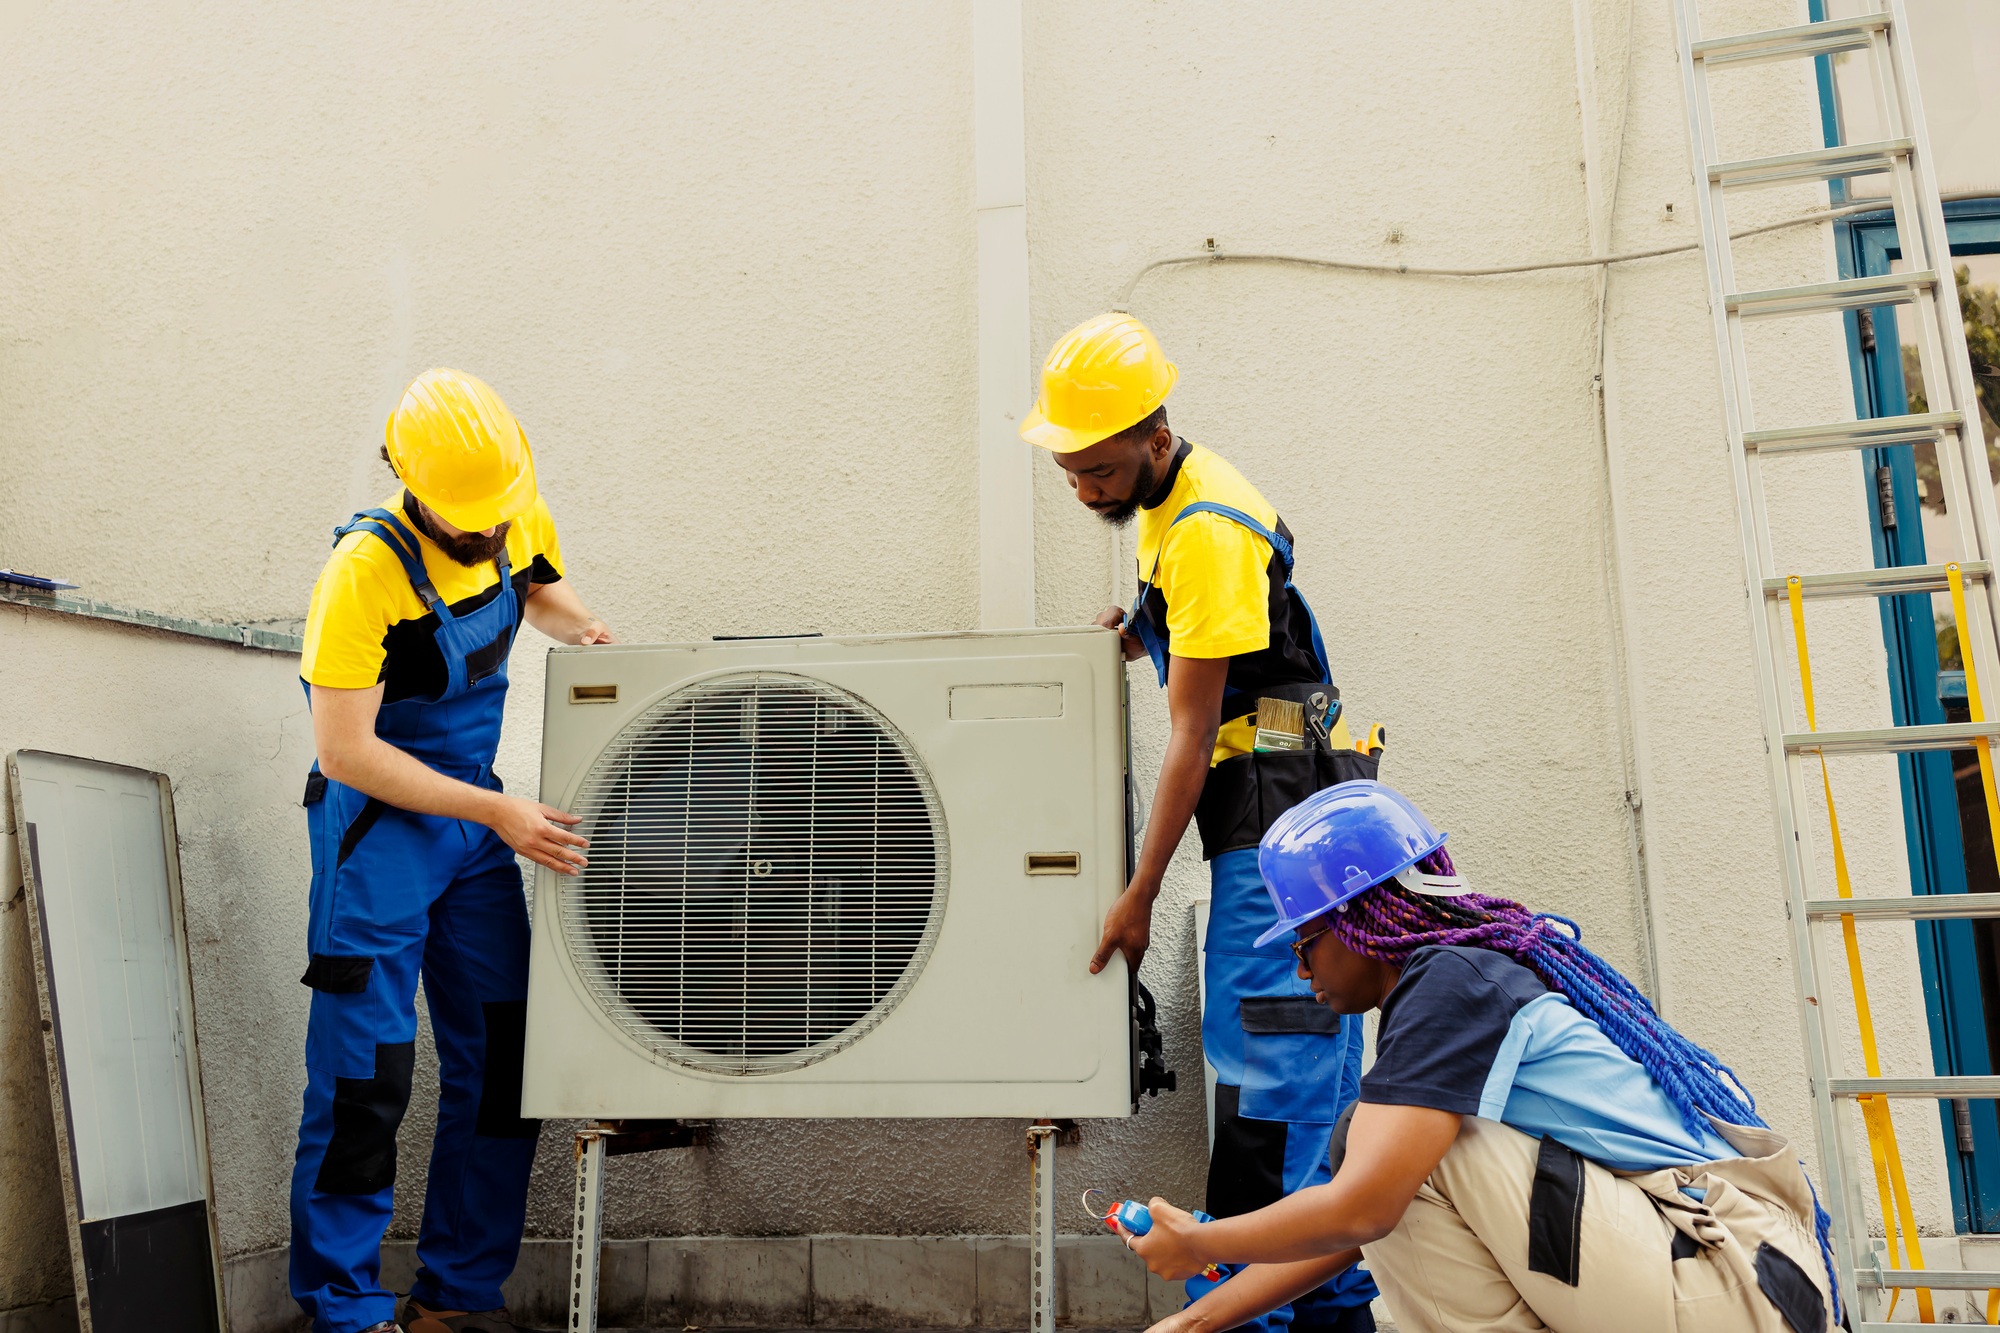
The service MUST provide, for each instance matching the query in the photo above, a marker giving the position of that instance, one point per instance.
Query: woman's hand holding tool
(1159, 1233)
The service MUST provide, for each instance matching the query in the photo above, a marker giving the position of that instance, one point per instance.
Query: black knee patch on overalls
(500, 1083)
(1246, 1170)
(338, 974)
(1788, 1288)
(1555, 1214)
(361, 1155)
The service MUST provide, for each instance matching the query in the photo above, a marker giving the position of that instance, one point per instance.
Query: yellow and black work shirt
(1220, 589)
(367, 624)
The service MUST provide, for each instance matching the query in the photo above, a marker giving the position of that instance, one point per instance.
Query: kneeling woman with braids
(1533, 1147)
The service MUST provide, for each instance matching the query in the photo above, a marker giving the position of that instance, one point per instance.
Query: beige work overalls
(1458, 1261)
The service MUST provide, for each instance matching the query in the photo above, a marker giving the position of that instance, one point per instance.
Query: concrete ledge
(53, 1317)
(715, 1281)
(259, 1294)
(848, 1282)
(895, 1281)
(797, 1282)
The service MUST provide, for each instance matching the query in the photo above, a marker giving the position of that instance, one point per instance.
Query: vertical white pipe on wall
(1000, 173)
(1600, 186)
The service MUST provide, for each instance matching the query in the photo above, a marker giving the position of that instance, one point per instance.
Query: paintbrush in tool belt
(1281, 725)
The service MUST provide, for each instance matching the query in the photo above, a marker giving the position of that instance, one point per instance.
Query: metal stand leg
(1042, 1229)
(587, 1229)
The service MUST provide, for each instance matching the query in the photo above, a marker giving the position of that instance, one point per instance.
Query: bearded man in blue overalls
(1217, 613)
(413, 847)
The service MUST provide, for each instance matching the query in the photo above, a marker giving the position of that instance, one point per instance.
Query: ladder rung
(1847, 294)
(1890, 582)
(1811, 39)
(1869, 433)
(1977, 1087)
(1819, 164)
(1916, 907)
(1891, 740)
(1937, 1279)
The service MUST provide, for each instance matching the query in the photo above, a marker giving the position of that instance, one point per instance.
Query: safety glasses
(1303, 942)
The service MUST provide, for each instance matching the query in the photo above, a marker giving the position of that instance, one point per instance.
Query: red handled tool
(1133, 1216)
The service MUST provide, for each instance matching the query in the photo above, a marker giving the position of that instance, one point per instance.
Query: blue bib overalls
(396, 895)
(1285, 1066)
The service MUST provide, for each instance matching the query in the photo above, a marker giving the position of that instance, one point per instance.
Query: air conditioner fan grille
(767, 873)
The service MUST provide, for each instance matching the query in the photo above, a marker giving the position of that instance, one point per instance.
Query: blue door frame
(1949, 951)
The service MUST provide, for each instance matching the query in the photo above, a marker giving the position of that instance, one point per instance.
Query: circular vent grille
(767, 873)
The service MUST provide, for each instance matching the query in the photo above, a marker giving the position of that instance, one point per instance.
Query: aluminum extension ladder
(1955, 431)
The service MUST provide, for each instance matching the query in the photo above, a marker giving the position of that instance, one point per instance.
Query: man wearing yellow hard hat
(413, 845)
(1225, 628)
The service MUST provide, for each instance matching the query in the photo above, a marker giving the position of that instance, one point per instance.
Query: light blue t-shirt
(1472, 1031)
(1557, 1075)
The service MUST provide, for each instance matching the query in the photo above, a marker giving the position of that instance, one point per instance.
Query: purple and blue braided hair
(1389, 923)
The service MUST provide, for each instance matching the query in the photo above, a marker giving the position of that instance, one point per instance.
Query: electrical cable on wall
(1220, 256)
(1600, 188)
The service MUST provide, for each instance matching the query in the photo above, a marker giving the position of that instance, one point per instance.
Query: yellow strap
(1890, 1184)
(1976, 710)
(1956, 578)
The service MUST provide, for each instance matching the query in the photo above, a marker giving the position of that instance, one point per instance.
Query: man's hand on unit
(556, 610)
(1113, 617)
(1128, 928)
(533, 830)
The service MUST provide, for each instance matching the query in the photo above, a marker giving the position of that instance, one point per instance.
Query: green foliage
(1982, 336)
(1980, 307)
(1947, 645)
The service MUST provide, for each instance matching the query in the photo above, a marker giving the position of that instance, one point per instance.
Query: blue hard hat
(1340, 842)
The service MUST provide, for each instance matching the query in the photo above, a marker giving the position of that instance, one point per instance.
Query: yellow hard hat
(1105, 374)
(459, 450)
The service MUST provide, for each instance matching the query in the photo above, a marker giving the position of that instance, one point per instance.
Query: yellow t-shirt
(1218, 588)
(366, 624)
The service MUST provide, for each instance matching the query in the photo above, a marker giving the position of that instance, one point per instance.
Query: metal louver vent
(767, 873)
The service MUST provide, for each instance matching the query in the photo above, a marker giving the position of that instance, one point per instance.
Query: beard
(467, 548)
(1142, 490)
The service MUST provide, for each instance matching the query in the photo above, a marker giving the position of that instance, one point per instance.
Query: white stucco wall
(721, 264)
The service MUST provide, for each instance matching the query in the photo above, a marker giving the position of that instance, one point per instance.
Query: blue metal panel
(1948, 951)
(1829, 105)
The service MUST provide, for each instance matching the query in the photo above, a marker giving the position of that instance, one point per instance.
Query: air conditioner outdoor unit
(834, 877)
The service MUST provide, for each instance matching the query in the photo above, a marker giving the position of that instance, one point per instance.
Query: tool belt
(1245, 795)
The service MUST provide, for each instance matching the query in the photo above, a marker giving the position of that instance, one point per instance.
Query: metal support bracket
(595, 1141)
(1042, 1139)
(586, 1229)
